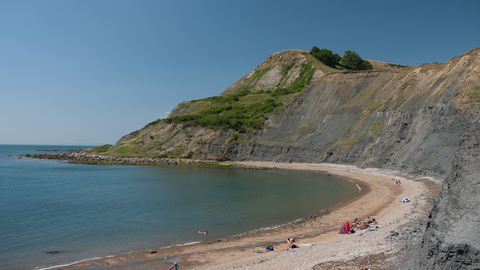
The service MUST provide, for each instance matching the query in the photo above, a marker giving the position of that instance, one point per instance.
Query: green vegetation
(242, 110)
(102, 148)
(135, 133)
(474, 94)
(325, 56)
(235, 138)
(397, 66)
(433, 155)
(235, 116)
(286, 68)
(306, 74)
(127, 150)
(350, 60)
(347, 142)
(176, 152)
(257, 75)
(225, 164)
(364, 93)
(376, 127)
(243, 91)
(153, 123)
(371, 105)
(189, 155)
(409, 82)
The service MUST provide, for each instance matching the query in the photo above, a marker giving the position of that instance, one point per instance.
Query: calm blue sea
(54, 213)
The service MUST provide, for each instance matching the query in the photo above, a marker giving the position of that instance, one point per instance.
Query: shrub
(375, 127)
(154, 122)
(235, 138)
(238, 117)
(286, 68)
(474, 94)
(135, 133)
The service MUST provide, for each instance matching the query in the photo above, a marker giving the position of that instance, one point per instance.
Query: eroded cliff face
(409, 120)
(452, 240)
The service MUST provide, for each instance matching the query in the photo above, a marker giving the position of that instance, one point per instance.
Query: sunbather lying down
(357, 225)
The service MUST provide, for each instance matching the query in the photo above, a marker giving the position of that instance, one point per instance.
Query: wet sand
(378, 199)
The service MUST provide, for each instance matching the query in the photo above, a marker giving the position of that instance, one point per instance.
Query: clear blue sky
(89, 72)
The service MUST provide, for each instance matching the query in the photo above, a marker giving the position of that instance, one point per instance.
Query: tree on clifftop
(325, 56)
(351, 60)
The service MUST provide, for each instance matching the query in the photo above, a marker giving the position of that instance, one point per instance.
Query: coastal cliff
(451, 240)
(417, 120)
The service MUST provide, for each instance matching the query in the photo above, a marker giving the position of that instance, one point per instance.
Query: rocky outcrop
(274, 77)
(452, 240)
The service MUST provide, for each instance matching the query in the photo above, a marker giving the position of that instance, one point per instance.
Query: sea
(54, 213)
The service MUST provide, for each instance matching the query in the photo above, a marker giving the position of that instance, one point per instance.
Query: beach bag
(270, 248)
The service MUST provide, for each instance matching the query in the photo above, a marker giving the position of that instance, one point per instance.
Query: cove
(57, 213)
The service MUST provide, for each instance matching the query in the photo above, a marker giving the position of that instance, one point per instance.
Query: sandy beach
(320, 244)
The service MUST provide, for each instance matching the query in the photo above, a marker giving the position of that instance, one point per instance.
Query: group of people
(397, 182)
(357, 225)
(291, 246)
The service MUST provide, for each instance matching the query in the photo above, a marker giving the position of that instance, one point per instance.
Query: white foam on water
(68, 264)
(359, 188)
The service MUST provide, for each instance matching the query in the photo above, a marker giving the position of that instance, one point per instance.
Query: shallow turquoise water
(54, 213)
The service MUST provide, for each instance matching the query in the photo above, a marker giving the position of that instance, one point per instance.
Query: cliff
(421, 120)
(452, 240)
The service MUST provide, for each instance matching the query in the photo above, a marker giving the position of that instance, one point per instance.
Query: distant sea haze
(56, 213)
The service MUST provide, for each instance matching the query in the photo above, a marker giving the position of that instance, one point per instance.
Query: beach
(320, 244)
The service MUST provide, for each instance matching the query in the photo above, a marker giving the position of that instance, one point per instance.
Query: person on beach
(205, 232)
(174, 266)
(290, 242)
(368, 221)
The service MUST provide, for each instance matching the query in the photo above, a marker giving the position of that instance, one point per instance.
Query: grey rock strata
(452, 238)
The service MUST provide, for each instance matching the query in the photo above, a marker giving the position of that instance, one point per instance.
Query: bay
(54, 213)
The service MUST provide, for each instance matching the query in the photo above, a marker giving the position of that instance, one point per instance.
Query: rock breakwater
(96, 159)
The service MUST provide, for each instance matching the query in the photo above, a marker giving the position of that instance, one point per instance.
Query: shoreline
(376, 199)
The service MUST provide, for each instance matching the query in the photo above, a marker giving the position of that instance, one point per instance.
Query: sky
(88, 72)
